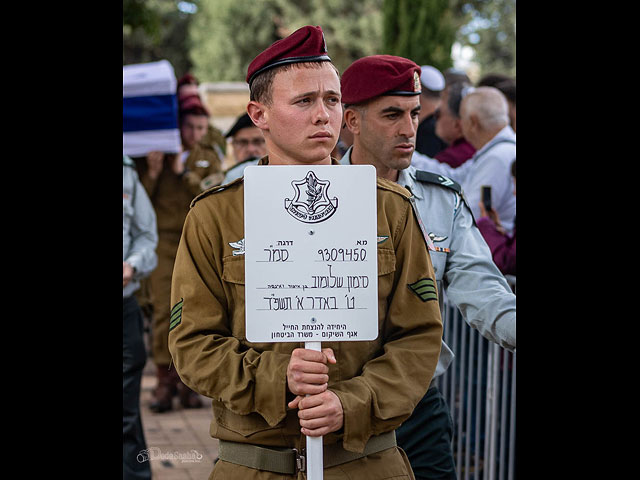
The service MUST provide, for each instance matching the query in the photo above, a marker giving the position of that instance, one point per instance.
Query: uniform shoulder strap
(437, 179)
(216, 189)
(445, 182)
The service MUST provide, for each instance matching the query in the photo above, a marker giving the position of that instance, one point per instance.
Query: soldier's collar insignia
(382, 239)
(239, 245)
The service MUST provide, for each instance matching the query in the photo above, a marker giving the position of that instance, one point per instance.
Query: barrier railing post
(488, 407)
(462, 400)
(467, 445)
(512, 420)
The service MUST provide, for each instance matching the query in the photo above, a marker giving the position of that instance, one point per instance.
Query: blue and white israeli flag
(149, 109)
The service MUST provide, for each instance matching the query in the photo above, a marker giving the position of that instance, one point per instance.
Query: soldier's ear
(352, 119)
(258, 114)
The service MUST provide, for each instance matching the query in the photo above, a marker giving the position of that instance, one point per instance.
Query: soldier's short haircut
(261, 86)
(457, 91)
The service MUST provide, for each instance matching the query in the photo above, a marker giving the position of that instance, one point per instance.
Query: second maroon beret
(376, 75)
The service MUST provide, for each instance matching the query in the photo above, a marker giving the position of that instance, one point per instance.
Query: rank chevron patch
(425, 289)
(176, 315)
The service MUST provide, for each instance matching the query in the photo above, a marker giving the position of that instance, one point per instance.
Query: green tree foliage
(136, 14)
(489, 27)
(217, 39)
(226, 35)
(156, 30)
(422, 31)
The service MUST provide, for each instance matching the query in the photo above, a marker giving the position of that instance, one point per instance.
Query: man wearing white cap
(427, 142)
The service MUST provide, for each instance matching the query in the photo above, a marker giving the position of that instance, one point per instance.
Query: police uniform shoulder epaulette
(385, 184)
(441, 180)
(216, 189)
(127, 162)
(435, 178)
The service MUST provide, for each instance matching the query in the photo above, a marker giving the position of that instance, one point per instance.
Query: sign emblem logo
(313, 205)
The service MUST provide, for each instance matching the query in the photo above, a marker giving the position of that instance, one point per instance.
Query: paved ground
(179, 444)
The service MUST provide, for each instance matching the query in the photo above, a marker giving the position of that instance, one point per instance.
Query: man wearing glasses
(248, 146)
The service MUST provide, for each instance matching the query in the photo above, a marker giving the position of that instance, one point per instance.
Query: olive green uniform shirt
(378, 382)
(172, 194)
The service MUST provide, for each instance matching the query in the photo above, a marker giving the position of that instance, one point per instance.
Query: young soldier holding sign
(266, 397)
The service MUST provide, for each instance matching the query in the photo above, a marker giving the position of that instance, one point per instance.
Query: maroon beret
(187, 78)
(304, 45)
(193, 105)
(376, 75)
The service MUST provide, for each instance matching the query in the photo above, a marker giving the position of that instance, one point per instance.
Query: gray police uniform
(471, 281)
(139, 240)
(139, 233)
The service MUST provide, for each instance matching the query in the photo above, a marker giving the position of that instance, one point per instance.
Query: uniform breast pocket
(439, 261)
(386, 261)
(386, 269)
(233, 276)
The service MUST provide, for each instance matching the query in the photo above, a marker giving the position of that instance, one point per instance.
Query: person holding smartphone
(502, 244)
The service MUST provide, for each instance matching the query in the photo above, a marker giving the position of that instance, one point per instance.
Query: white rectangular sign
(311, 270)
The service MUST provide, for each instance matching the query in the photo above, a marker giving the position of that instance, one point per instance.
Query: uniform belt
(290, 460)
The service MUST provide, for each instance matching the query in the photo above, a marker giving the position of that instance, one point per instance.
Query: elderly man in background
(484, 115)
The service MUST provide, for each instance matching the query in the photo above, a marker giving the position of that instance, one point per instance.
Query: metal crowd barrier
(480, 389)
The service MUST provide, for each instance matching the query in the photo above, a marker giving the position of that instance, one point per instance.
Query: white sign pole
(310, 252)
(315, 465)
